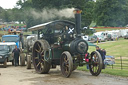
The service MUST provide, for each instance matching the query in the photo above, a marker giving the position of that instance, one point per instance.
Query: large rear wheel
(96, 63)
(39, 49)
(66, 64)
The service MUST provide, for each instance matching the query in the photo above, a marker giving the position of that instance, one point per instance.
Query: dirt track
(21, 76)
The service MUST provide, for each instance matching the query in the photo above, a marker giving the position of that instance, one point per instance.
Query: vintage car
(60, 43)
(19, 42)
(6, 52)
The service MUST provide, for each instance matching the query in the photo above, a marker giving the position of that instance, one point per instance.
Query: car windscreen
(10, 39)
(4, 48)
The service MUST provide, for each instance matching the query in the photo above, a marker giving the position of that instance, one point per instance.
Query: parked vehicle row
(107, 36)
(6, 47)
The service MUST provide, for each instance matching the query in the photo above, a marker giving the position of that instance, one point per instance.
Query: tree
(110, 12)
(87, 13)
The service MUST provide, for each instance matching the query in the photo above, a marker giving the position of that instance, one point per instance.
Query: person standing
(16, 52)
(102, 55)
(99, 50)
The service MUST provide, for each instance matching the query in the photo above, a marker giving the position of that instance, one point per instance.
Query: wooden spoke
(66, 60)
(67, 66)
(39, 46)
(42, 59)
(37, 50)
(38, 64)
(42, 55)
(66, 70)
(42, 51)
(41, 66)
(36, 57)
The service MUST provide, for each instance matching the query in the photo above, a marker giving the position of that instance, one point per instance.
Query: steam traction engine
(60, 43)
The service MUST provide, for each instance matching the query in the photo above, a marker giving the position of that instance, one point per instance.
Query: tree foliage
(103, 12)
(111, 12)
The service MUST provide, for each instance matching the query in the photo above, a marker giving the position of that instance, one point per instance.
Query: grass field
(109, 29)
(116, 72)
(114, 48)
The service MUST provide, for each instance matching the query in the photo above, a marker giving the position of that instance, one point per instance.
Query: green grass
(116, 72)
(99, 29)
(114, 48)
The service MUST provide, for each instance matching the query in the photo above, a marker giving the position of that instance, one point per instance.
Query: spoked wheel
(66, 64)
(96, 63)
(39, 49)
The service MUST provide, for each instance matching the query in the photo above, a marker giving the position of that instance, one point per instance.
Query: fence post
(121, 62)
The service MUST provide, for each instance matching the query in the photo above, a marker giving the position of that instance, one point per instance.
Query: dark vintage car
(6, 52)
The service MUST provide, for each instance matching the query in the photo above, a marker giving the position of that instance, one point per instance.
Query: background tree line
(102, 12)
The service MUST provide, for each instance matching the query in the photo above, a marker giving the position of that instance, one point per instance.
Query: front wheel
(5, 63)
(95, 65)
(66, 64)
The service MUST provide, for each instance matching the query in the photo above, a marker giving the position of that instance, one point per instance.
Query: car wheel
(13, 62)
(5, 63)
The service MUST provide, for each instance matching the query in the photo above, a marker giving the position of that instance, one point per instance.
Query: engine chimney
(77, 13)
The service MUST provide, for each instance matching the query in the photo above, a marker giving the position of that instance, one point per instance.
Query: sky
(7, 4)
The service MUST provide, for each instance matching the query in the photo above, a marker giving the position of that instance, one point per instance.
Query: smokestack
(77, 13)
